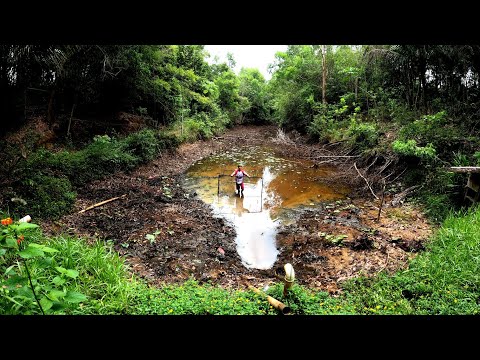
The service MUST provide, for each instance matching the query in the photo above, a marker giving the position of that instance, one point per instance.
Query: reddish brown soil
(191, 242)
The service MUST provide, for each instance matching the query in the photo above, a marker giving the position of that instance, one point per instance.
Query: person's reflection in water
(239, 209)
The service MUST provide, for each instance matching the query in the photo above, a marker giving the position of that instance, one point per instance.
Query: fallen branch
(363, 177)
(401, 196)
(373, 162)
(387, 164)
(397, 176)
(101, 203)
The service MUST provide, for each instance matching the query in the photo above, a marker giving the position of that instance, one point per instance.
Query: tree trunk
(324, 74)
(423, 81)
(356, 88)
(50, 110)
(409, 83)
(70, 120)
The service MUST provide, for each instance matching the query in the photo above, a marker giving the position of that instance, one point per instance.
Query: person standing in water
(239, 174)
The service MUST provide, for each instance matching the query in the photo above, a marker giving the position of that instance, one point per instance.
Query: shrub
(142, 145)
(409, 148)
(46, 196)
(45, 179)
(477, 157)
(362, 135)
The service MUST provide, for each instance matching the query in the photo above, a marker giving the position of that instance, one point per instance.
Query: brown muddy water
(277, 187)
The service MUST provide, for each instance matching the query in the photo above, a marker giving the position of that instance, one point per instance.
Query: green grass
(442, 280)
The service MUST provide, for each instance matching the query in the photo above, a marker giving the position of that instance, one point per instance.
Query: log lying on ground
(464, 169)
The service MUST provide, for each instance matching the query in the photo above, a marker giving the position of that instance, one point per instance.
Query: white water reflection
(255, 228)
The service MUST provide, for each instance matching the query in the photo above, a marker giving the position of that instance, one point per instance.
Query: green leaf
(57, 280)
(2, 251)
(26, 292)
(61, 269)
(58, 306)
(10, 271)
(10, 242)
(71, 273)
(43, 248)
(150, 237)
(14, 280)
(75, 297)
(45, 303)
(56, 295)
(25, 226)
(68, 272)
(30, 252)
(12, 299)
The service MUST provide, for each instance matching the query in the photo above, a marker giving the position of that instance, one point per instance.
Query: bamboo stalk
(274, 302)
(101, 203)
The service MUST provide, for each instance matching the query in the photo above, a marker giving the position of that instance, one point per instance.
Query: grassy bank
(442, 280)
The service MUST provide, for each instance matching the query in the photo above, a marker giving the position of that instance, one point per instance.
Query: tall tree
(324, 74)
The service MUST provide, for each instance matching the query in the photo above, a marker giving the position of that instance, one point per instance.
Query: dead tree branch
(101, 203)
(363, 177)
(401, 196)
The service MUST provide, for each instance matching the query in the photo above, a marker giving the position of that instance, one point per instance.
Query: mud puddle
(277, 186)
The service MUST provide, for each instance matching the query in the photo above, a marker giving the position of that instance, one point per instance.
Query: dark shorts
(238, 186)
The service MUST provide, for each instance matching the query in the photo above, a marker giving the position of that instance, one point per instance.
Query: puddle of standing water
(275, 187)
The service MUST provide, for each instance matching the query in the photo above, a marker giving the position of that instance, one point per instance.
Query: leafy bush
(45, 196)
(325, 125)
(398, 111)
(166, 141)
(102, 157)
(460, 159)
(424, 129)
(409, 148)
(440, 190)
(201, 126)
(362, 135)
(45, 179)
(434, 130)
(142, 145)
(477, 157)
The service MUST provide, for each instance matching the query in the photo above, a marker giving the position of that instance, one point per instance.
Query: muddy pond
(277, 187)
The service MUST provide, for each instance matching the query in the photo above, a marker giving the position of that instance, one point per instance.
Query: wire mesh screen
(219, 191)
(253, 190)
